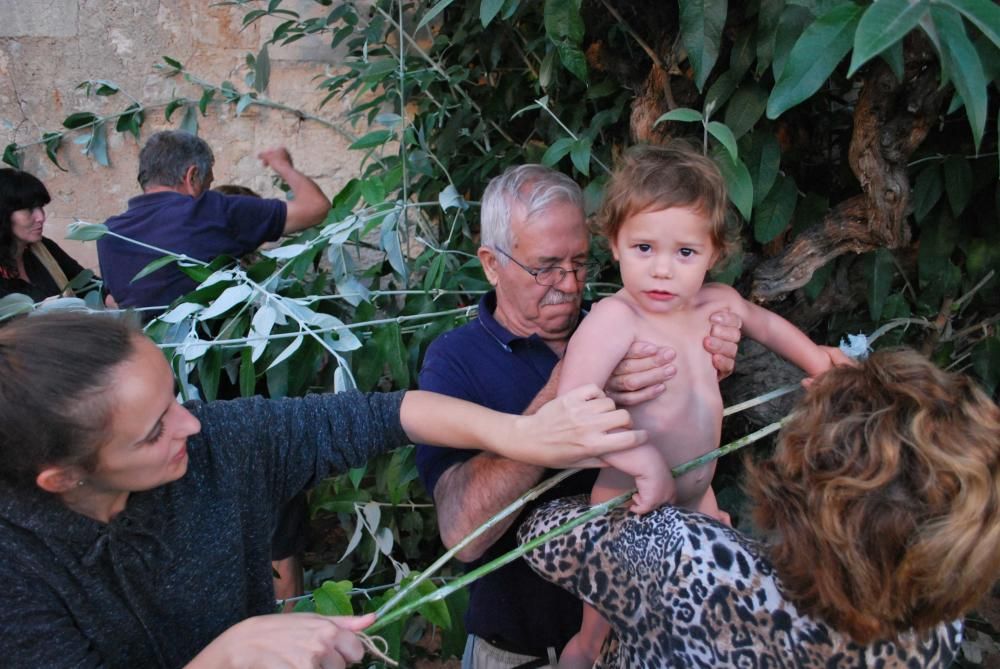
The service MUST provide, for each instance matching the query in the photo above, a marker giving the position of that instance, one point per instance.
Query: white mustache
(556, 296)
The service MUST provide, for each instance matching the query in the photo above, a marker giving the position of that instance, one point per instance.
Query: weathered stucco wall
(48, 48)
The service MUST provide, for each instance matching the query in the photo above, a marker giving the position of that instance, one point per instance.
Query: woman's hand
(287, 641)
(573, 430)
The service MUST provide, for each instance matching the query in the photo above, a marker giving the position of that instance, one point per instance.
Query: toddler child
(664, 217)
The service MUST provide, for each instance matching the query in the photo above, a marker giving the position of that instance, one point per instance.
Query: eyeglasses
(550, 276)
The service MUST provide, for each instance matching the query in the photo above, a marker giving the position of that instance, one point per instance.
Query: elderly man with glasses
(535, 253)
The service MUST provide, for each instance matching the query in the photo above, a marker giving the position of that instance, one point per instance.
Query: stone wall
(48, 48)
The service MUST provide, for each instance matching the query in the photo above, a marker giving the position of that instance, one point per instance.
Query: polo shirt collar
(503, 336)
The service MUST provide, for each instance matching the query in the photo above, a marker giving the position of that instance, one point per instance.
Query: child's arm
(594, 351)
(598, 345)
(777, 334)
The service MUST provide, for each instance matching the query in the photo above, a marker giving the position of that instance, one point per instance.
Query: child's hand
(837, 359)
(652, 492)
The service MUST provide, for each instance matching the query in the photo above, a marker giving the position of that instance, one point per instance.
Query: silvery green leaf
(61, 304)
(341, 263)
(175, 333)
(261, 326)
(193, 347)
(14, 304)
(325, 321)
(346, 340)
(230, 297)
(285, 252)
(353, 291)
(390, 242)
(298, 311)
(342, 380)
(383, 539)
(221, 275)
(356, 537)
(81, 231)
(245, 101)
(289, 350)
(389, 120)
(450, 197)
(181, 311)
(373, 515)
(371, 566)
(339, 232)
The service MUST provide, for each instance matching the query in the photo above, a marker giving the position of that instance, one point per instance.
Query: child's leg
(645, 468)
(610, 483)
(582, 650)
(709, 506)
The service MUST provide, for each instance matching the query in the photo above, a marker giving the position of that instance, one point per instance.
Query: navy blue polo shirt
(483, 362)
(205, 227)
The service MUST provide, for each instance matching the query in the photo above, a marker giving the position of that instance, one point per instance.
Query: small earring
(80, 483)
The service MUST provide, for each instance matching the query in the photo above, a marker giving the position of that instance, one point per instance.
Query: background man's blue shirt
(204, 228)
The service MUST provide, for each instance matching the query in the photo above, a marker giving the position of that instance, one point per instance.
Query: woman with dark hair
(880, 511)
(136, 531)
(29, 263)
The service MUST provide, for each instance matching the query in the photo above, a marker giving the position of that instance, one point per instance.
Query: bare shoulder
(613, 307)
(720, 296)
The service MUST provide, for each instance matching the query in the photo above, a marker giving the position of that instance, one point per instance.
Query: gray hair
(534, 187)
(167, 156)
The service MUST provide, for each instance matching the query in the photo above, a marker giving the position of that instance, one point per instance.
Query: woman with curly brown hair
(881, 511)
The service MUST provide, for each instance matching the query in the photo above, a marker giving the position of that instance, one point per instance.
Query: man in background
(178, 213)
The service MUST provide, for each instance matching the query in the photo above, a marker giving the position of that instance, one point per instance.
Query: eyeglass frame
(588, 267)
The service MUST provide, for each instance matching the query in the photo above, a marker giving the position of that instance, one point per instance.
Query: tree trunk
(891, 120)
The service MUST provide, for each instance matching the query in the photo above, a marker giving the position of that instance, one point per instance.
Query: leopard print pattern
(682, 590)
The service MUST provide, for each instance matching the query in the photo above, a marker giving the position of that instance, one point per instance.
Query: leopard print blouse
(681, 590)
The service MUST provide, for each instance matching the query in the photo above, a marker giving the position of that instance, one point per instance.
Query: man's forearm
(470, 493)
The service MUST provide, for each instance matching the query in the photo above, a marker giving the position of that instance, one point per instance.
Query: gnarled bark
(891, 120)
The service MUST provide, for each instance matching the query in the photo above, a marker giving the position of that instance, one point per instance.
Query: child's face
(664, 256)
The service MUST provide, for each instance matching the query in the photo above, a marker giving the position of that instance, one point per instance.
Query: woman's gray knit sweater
(185, 561)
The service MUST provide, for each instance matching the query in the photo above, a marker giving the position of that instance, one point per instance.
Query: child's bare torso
(685, 421)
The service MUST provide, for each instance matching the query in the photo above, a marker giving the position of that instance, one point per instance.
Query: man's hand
(642, 374)
(723, 340)
(277, 158)
(309, 205)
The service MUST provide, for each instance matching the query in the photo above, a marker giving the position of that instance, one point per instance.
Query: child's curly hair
(652, 178)
(883, 497)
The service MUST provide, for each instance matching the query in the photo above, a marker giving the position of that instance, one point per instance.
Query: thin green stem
(766, 397)
(506, 558)
(243, 341)
(511, 508)
(402, 131)
(493, 565)
(444, 75)
(164, 252)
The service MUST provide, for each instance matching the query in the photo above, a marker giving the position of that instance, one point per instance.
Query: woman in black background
(29, 263)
